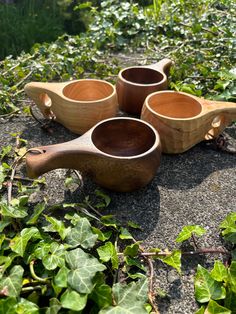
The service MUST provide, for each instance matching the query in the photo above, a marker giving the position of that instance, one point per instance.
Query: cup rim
(88, 101)
(155, 145)
(195, 98)
(142, 67)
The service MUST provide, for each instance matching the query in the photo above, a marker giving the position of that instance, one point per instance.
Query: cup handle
(222, 114)
(162, 66)
(73, 154)
(42, 94)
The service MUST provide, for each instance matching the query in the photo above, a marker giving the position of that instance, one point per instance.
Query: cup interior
(139, 75)
(174, 105)
(88, 90)
(123, 137)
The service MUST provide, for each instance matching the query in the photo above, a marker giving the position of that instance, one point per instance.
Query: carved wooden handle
(163, 66)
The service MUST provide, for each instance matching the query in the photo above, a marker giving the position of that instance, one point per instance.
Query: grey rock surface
(196, 187)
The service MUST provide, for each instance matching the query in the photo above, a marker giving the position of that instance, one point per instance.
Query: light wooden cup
(135, 83)
(78, 104)
(121, 154)
(183, 120)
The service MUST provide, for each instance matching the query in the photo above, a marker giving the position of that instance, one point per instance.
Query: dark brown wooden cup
(121, 154)
(135, 83)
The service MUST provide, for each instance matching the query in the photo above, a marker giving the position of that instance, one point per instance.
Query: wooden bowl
(135, 83)
(78, 105)
(121, 154)
(183, 120)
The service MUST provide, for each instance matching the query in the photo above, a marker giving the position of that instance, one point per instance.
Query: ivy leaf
(55, 257)
(73, 300)
(5, 151)
(2, 175)
(56, 226)
(129, 298)
(82, 235)
(206, 287)
(61, 277)
(187, 232)
(229, 226)
(102, 236)
(19, 242)
(54, 306)
(132, 250)
(11, 285)
(125, 234)
(108, 252)
(174, 260)
(230, 300)
(83, 269)
(201, 310)
(14, 210)
(38, 209)
(106, 199)
(219, 272)
(26, 307)
(232, 276)
(5, 221)
(7, 305)
(214, 308)
(102, 295)
(134, 225)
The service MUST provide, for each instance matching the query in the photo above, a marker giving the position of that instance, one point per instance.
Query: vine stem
(40, 279)
(14, 166)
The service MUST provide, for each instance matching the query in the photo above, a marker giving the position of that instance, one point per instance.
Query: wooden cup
(78, 104)
(183, 120)
(121, 154)
(135, 83)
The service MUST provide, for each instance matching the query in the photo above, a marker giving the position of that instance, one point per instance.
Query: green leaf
(5, 151)
(187, 232)
(102, 236)
(174, 260)
(134, 225)
(108, 252)
(14, 211)
(82, 235)
(109, 221)
(54, 306)
(11, 285)
(206, 287)
(132, 250)
(229, 221)
(5, 221)
(134, 262)
(230, 300)
(232, 276)
(61, 277)
(219, 272)
(56, 226)
(129, 298)
(3, 175)
(201, 310)
(106, 199)
(26, 307)
(7, 305)
(102, 295)
(214, 308)
(38, 209)
(73, 300)
(125, 234)
(55, 257)
(83, 269)
(19, 242)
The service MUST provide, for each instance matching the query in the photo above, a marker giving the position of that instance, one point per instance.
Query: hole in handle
(216, 123)
(47, 102)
